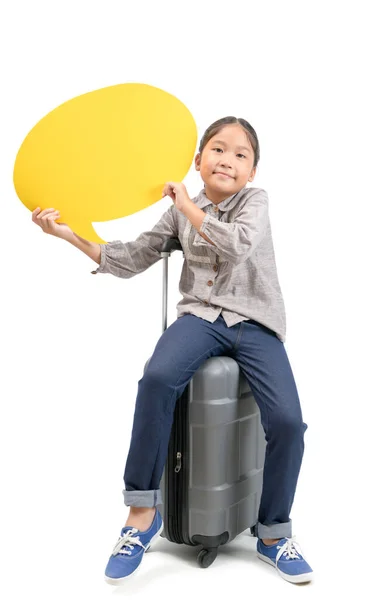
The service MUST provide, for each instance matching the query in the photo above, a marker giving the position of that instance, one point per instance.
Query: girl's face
(226, 163)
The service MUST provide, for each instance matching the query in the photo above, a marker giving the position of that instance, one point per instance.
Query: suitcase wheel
(206, 557)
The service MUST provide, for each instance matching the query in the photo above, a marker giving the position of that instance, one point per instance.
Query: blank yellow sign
(105, 154)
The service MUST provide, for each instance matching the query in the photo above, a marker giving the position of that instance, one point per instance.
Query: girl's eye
(241, 155)
(217, 149)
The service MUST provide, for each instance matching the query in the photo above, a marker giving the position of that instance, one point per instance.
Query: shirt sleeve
(236, 241)
(126, 259)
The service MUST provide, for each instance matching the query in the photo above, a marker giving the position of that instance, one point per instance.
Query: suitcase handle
(169, 246)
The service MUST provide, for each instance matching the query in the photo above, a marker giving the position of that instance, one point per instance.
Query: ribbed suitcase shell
(222, 455)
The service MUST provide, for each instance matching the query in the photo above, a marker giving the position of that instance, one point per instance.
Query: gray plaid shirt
(237, 277)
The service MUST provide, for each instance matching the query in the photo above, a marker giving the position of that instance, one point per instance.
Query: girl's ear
(252, 175)
(197, 162)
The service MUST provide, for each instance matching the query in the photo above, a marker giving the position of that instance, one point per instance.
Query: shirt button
(209, 282)
(216, 209)
(215, 268)
(206, 303)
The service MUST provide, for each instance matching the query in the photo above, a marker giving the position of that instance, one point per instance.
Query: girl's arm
(236, 241)
(233, 241)
(178, 193)
(47, 221)
(196, 216)
(91, 249)
(118, 258)
(126, 259)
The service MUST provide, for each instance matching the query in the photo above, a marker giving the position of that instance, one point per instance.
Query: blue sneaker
(288, 559)
(129, 550)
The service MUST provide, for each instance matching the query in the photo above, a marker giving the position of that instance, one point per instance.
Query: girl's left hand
(178, 193)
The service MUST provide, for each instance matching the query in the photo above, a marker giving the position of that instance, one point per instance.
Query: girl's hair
(215, 127)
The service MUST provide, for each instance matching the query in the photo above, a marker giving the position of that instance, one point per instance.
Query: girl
(232, 305)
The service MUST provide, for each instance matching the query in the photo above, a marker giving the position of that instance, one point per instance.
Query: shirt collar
(201, 200)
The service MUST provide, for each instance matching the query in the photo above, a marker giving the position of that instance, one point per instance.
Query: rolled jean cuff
(275, 531)
(142, 498)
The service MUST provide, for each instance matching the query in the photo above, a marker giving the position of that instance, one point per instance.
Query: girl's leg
(180, 351)
(264, 362)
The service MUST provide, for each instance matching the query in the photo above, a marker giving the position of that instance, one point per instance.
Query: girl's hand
(46, 219)
(178, 193)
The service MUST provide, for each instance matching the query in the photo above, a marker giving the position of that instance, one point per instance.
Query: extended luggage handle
(169, 246)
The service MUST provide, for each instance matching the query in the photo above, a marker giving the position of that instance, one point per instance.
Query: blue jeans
(262, 357)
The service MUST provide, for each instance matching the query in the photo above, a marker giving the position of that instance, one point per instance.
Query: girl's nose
(225, 161)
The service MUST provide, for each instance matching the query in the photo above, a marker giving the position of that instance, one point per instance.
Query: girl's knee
(287, 425)
(155, 378)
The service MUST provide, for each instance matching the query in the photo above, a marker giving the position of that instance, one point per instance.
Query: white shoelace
(129, 541)
(289, 549)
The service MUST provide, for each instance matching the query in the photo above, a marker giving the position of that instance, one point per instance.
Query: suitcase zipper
(178, 462)
(178, 478)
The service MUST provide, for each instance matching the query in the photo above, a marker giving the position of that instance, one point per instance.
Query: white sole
(121, 580)
(303, 578)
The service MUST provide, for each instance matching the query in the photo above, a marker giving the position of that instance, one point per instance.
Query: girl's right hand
(46, 219)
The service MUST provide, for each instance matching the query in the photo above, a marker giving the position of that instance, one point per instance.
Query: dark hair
(215, 127)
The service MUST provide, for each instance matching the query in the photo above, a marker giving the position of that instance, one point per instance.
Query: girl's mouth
(223, 175)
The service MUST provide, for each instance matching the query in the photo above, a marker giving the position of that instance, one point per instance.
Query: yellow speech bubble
(105, 154)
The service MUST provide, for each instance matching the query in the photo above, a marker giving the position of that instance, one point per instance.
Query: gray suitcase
(212, 479)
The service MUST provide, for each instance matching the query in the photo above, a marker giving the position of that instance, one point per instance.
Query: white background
(312, 78)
